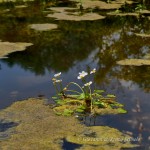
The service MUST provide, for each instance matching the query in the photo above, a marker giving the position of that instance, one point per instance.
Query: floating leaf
(111, 95)
(54, 97)
(67, 112)
(81, 107)
(82, 96)
(100, 104)
(116, 105)
(99, 91)
(121, 110)
(97, 95)
(60, 102)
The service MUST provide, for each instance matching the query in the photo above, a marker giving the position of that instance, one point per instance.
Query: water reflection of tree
(58, 50)
(74, 41)
(113, 49)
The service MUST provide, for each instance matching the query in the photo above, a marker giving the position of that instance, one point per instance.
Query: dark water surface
(73, 47)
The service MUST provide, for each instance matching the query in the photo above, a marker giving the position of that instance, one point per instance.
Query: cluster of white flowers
(57, 74)
(82, 74)
(93, 71)
(55, 80)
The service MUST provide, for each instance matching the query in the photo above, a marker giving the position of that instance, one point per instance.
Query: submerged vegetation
(86, 102)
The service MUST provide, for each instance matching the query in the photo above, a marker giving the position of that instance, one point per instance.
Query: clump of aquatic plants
(85, 101)
(140, 7)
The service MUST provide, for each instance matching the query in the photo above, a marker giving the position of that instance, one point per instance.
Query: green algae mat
(37, 127)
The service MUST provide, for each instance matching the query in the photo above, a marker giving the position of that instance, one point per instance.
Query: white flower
(57, 81)
(88, 84)
(57, 75)
(82, 74)
(76, 116)
(93, 71)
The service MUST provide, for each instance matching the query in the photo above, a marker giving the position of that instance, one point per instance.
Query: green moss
(101, 137)
(38, 126)
(41, 129)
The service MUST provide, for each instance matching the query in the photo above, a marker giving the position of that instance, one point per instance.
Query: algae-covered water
(99, 39)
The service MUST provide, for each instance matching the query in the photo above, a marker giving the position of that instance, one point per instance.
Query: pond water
(73, 47)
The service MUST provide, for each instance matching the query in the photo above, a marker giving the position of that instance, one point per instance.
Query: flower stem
(73, 91)
(91, 98)
(76, 85)
(55, 86)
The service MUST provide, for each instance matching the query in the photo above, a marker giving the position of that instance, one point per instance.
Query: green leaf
(118, 104)
(100, 104)
(97, 95)
(97, 103)
(60, 102)
(79, 110)
(54, 97)
(81, 107)
(81, 96)
(111, 95)
(121, 111)
(67, 112)
(99, 91)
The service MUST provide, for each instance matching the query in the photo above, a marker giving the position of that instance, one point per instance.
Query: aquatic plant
(85, 101)
(140, 7)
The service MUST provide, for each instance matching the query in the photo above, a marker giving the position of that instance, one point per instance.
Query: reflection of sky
(129, 94)
(16, 83)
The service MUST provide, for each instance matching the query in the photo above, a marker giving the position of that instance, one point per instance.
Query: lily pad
(43, 27)
(8, 47)
(134, 62)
